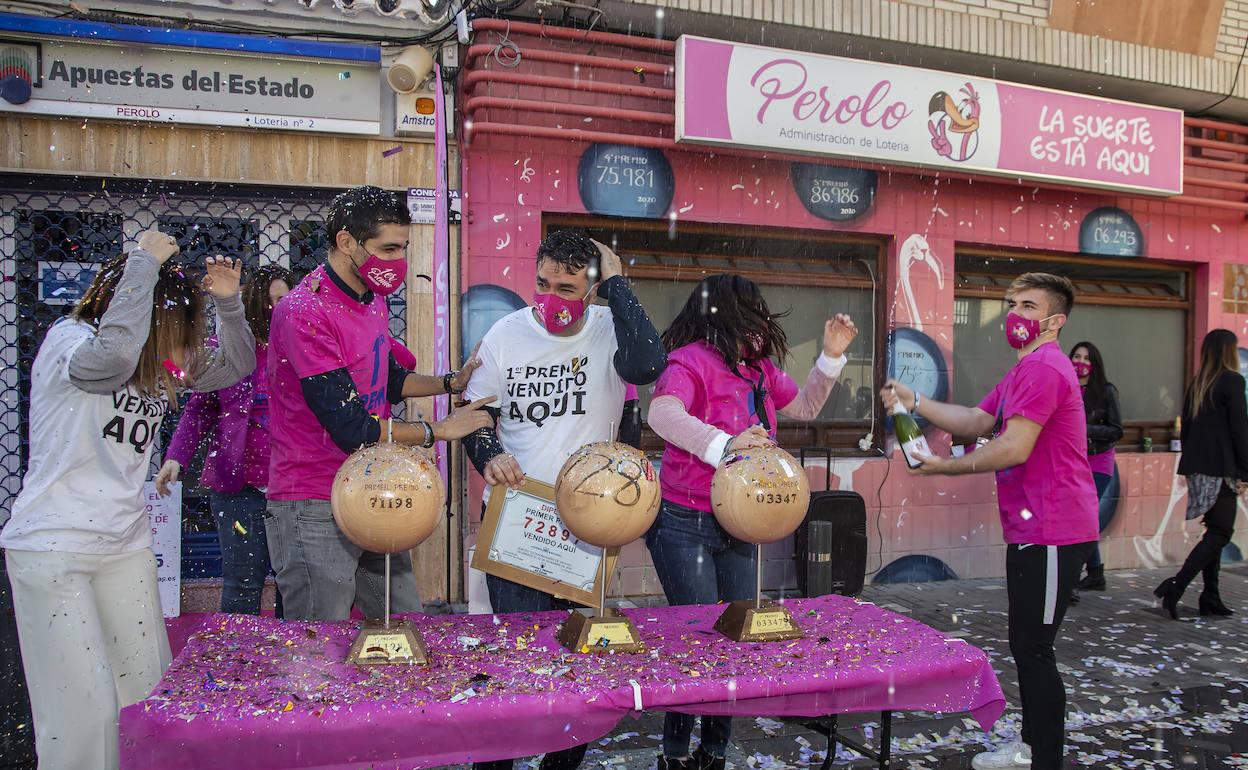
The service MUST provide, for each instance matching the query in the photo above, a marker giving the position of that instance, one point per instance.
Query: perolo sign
(727, 93)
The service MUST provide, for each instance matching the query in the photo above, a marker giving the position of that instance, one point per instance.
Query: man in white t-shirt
(559, 370)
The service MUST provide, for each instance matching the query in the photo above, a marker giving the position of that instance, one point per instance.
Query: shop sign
(837, 194)
(623, 181)
(766, 98)
(1110, 232)
(413, 113)
(129, 81)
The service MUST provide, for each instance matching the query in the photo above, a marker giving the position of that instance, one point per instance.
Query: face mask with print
(382, 276)
(558, 313)
(1083, 369)
(1021, 332)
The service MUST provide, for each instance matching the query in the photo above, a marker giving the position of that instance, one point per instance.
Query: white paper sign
(532, 537)
(421, 202)
(165, 513)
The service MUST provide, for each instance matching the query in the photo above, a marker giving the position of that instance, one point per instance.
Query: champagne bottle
(909, 436)
(1176, 444)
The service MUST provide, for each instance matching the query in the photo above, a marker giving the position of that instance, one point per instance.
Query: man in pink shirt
(333, 376)
(1045, 492)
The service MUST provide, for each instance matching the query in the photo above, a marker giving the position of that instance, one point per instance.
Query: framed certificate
(522, 539)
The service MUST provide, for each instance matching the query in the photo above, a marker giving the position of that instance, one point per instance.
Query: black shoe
(701, 760)
(1169, 593)
(1093, 582)
(1212, 605)
(1074, 596)
(668, 763)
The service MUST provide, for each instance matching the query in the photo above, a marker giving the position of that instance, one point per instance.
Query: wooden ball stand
(388, 641)
(606, 631)
(755, 620)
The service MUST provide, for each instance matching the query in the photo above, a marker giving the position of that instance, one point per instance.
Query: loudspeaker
(831, 545)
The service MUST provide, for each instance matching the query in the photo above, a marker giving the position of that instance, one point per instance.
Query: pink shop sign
(793, 102)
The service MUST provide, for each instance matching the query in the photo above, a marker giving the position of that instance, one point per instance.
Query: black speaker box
(831, 543)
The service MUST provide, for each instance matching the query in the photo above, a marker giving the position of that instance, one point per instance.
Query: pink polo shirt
(697, 375)
(1049, 499)
(318, 328)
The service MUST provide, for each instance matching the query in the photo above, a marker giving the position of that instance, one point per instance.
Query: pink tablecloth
(253, 692)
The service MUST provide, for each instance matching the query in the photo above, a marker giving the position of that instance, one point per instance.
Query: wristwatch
(917, 398)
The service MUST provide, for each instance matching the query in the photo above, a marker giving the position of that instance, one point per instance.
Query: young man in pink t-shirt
(1045, 493)
(333, 376)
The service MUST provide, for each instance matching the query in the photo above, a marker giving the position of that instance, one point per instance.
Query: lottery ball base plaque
(608, 632)
(393, 641)
(750, 621)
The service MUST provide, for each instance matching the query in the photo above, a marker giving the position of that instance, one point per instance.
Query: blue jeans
(1102, 483)
(244, 554)
(506, 596)
(698, 563)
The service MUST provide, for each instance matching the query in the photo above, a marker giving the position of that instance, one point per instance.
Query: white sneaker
(1012, 756)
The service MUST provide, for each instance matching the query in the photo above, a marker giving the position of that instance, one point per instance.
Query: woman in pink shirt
(720, 392)
(236, 468)
(1100, 406)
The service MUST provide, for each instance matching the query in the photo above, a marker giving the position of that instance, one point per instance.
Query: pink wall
(510, 183)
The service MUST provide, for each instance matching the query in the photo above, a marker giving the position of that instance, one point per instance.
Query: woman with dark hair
(1215, 462)
(79, 544)
(720, 393)
(236, 467)
(1104, 417)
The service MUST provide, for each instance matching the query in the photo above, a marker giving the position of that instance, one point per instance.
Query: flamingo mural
(915, 249)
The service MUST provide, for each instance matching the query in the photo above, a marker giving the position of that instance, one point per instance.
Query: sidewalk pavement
(1144, 691)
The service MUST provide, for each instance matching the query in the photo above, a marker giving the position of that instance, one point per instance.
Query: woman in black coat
(1215, 462)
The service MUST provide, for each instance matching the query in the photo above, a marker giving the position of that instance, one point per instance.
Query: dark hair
(1059, 288)
(572, 249)
(1218, 354)
(256, 298)
(177, 323)
(724, 311)
(361, 211)
(1098, 384)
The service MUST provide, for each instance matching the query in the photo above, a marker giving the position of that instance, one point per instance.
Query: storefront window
(1137, 318)
(808, 275)
(808, 308)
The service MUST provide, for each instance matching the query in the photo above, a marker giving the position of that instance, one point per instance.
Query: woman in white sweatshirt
(78, 544)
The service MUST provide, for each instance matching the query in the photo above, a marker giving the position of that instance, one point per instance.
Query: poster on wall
(165, 514)
(918, 363)
(796, 102)
(622, 181)
(421, 202)
(834, 193)
(64, 283)
(1110, 232)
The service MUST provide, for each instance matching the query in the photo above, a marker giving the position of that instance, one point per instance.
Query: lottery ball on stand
(607, 494)
(760, 495)
(388, 498)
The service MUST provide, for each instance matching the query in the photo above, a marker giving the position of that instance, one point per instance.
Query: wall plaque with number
(623, 181)
(834, 193)
(1110, 232)
(522, 539)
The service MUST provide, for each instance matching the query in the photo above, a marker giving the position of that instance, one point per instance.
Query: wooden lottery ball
(387, 498)
(607, 494)
(760, 495)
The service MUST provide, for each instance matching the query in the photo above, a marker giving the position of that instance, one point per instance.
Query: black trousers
(1039, 579)
(1206, 557)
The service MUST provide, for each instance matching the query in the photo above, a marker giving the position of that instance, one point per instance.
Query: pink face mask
(558, 313)
(383, 276)
(1021, 332)
(1083, 368)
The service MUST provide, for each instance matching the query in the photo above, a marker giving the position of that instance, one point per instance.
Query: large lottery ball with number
(388, 498)
(607, 494)
(760, 495)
